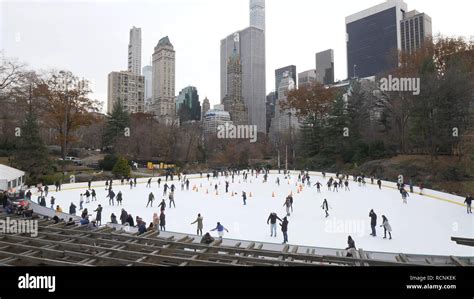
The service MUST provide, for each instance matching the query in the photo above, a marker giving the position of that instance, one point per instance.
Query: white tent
(11, 178)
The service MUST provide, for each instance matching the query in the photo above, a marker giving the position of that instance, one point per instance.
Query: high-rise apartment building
(128, 89)
(163, 84)
(135, 51)
(147, 72)
(206, 106)
(414, 29)
(306, 78)
(233, 100)
(325, 67)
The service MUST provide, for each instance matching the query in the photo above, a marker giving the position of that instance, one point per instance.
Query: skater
(119, 198)
(379, 182)
(162, 205)
(226, 187)
(346, 186)
(351, 245)
(318, 186)
(329, 183)
(199, 224)
(106, 184)
(43, 201)
(46, 189)
(386, 228)
(373, 222)
(278, 181)
(72, 209)
(165, 189)
(220, 230)
(113, 219)
(111, 197)
(325, 207)
(162, 221)
(89, 184)
(81, 201)
(284, 229)
(468, 202)
(404, 195)
(134, 182)
(94, 195)
(148, 184)
(51, 201)
(335, 184)
(88, 195)
(151, 197)
(244, 197)
(131, 184)
(171, 198)
(159, 182)
(288, 205)
(291, 202)
(273, 227)
(56, 184)
(187, 184)
(122, 180)
(98, 216)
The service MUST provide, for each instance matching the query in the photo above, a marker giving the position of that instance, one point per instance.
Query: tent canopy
(9, 173)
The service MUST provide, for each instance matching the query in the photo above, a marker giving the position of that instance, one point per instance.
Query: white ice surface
(423, 226)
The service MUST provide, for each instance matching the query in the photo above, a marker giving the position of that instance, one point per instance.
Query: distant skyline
(90, 38)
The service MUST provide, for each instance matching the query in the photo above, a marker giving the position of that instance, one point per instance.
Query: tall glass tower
(257, 14)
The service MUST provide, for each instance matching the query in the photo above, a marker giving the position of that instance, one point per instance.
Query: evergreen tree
(121, 168)
(116, 124)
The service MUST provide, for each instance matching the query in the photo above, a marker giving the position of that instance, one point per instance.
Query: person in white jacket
(386, 228)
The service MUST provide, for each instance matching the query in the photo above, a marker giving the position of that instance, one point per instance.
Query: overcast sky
(90, 38)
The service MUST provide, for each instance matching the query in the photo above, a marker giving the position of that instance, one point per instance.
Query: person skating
(51, 201)
(278, 181)
(131, 184)
(98, 216)
(284, 229)
(386, 228)
(346, 185)
(226, 187)
(81, 201)
(72, 209)
(111, 197)
(199, 224)
(148, 184)
(244, 197)
(318, 186)
(134, 182)
(46, 189)
(156, 221)
(273, 227)
(329, 183)
(291, 202)
(89, 184)
(94, 195)
(162, 205)
(106, 184)
(119, 198)
(404, 195)
(88, 195)
(351, 245)
(468, 202)
(287, 204)
(325, 207)
(187, 184)
(56, 184)
(165, 189)
(151, 197)
(220, 230)
(379, 182)
(171, 200)
(159, 182)
(162, 221)
(123, 217)
(335, 184)
(43, 201)
(373, 222)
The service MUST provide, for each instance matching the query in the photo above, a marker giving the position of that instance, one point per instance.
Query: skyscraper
(279, 75)
(306, 78)
(147, 72)
(257, 13)
(206, 106)
(163, 91)
(373, 37)
(187, 104)
(325, 67)
(233, 100)
(414, 29)
(128, 89)
(284, 121)
(135, 51)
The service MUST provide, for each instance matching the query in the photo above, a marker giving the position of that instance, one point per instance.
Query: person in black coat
(272, 219)
(130, 220)
(351, 245)
(84, 213)
(468, 202)
(284, 229)
(72, 209)
(373, 222)
(98, 216)
(162, 221)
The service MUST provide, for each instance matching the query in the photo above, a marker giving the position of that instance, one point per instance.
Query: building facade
(414, 29)
(215, 118)
(147, 72)
(250, 47)
(306, 78)
(325, 67)
(257, 13)
(135, 51)
(286, 121)
(128, 89)
(279, 75)
(206, 106)
(188, 106)
(163, 83)
(373, 38)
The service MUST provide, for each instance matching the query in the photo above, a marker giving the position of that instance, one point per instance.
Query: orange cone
(273, 194)
(250, 194)
(217, 193)
(297, 190)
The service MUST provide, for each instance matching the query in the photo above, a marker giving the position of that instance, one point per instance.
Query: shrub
(108, 162)
(121, 168)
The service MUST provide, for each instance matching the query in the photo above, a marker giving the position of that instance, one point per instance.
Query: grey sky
(90, 38)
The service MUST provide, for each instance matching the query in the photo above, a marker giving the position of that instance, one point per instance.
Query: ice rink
(424, 225)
